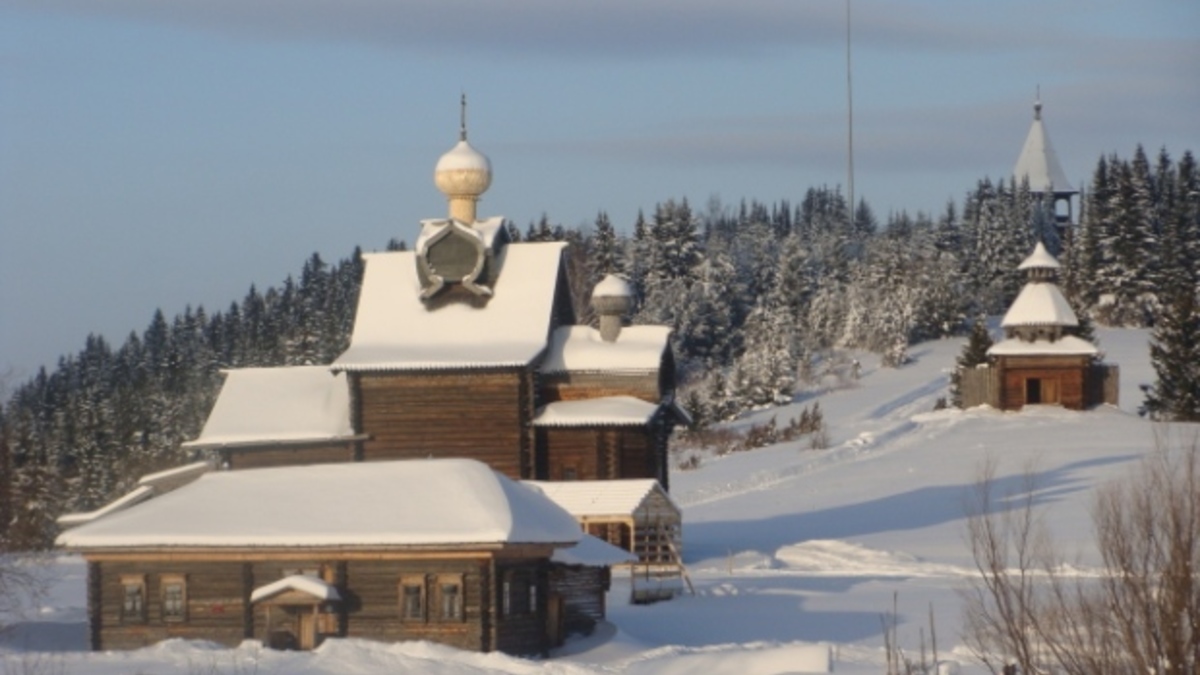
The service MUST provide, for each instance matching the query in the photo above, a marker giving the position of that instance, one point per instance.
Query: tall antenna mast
(849, 120)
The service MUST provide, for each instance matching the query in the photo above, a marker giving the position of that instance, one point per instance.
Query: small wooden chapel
(1041, 361)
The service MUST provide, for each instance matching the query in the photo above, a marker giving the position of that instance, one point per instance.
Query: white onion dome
(463, 171)
(612, 286)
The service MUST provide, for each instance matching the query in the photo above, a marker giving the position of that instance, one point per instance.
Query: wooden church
(467, 346)
(1041, 360)
(379, 496)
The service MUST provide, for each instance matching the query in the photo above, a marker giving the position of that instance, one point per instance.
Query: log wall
(582, 591)
(521, 626)
(296, 455)
(600, 453)
(578, 386)
(215, 603)
(373, 605)
(218, 606)
(1067, 374)
(474, 414)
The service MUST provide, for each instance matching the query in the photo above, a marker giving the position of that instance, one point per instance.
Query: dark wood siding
(1063, 376)
(214, 604)
(373, 602)
(582, 591)
(522, 629)
(577, 386)
(572, 449)
(297, 455)
(639, 448)
(473, 414)
(601, 453)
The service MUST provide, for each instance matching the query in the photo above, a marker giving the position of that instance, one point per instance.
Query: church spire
(1038, 163)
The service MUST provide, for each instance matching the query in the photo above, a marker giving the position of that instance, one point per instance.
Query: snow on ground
(795, 554)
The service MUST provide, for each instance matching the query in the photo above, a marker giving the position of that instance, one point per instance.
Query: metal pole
(849, 120)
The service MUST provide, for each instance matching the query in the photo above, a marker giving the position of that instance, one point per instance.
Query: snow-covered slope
(794, 553)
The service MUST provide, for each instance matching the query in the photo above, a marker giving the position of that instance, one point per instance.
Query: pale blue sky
(157, 153)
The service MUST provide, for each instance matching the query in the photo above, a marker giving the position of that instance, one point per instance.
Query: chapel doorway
(1042, 390)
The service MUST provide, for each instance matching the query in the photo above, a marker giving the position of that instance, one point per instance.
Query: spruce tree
(1175, 355)
(973, 354)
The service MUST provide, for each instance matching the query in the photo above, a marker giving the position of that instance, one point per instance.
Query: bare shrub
(1140, 615)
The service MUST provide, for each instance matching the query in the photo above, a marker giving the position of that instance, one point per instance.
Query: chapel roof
(1067, 345)
(592, 412)
(297, 404)
(1038, 162)
(1039, 259)
(394, 504)
(582, 349)
(1040, 304)
(591, 498)
(395, 330)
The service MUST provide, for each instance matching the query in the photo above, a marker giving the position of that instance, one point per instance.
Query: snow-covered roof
(581, 349)
(1040, 304)
(305, 583)
(604, 411)
(135, 496)
(150, 485)
(589, 498)
(593, 552)
(1068, 345)
(1040, 258)
(272, 405)
(395, 330)
(414, 503)
(171, 478)
(1038, 161)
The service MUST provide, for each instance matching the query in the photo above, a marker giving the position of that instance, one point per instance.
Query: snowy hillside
(794, 553)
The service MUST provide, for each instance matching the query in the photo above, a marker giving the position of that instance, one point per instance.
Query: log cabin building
(1041, 361)
(292, 555)
(464, 356)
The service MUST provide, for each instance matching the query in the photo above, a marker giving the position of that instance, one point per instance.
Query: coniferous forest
(757, 293)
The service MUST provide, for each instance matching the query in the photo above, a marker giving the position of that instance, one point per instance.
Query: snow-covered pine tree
(1175, 355)
(765, 374)
(606, 250)
(974, 353)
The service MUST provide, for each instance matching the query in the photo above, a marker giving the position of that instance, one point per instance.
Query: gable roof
(1038, 162)
(318, 588)
(272, 405)
(604, 411)
(394, 504)
(589, 498)
(1040, 304)
(581, 349)
(395, 330)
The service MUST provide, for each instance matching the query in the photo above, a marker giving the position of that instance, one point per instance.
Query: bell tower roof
(1038, 162)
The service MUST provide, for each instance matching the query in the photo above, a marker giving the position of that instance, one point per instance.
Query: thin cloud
(532, 28)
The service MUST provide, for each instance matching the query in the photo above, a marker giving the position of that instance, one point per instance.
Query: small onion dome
(612, 286)
(1039, 259)
(463, 172)
(612, 299)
